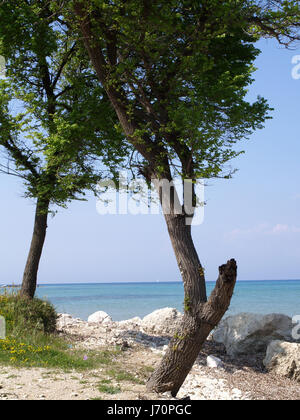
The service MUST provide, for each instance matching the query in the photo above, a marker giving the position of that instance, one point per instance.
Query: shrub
(22, 313)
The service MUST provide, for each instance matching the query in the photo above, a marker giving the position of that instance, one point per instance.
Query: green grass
(109, 389)
(31, 341)
(24, 315)
(55, 354)
(122, 375)
(105, 381)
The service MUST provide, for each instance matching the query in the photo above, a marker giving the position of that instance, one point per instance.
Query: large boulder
(99, 317)
(248, 333)
(162, 321)
(130, 324)
(283, 358)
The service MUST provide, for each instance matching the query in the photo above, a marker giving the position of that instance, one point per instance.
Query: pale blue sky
(253, 218)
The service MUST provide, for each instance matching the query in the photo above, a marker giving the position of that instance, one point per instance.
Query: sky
(253, 218)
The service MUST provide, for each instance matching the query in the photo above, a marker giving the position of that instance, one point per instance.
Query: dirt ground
(239, 379)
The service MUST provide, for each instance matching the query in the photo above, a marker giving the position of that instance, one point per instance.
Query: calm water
(126, 300)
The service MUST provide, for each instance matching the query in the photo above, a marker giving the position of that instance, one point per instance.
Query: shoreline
(126, 300)
(141, 345)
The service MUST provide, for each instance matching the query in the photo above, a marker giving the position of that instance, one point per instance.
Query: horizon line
(141, 282)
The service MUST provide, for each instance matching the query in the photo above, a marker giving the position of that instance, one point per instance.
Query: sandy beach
(242, 378)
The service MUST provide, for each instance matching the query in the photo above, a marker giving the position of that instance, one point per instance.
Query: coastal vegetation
(32, 341)
(163, 84)
(176, 74)
(55, 120)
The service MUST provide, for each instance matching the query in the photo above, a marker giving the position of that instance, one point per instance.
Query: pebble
(214, 362)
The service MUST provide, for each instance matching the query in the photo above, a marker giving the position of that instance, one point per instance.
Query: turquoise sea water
(126, 300)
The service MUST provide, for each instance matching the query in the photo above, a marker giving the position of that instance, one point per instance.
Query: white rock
(283, 359)
(99, 317)
(214, 362)
(248, 333)
(162, 321)
(130, 323)
(64, 320)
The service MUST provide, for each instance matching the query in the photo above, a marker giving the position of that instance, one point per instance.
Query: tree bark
(33, 260)
(200, 316)
(191, 270)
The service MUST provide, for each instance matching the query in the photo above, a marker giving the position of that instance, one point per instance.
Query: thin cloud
(264, 229)
(285, 229)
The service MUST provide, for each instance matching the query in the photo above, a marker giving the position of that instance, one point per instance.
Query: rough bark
(198, 321)
(33, 260)
(188, 261)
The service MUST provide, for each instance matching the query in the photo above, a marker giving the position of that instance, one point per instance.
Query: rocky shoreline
(240, 348)
(248, 357)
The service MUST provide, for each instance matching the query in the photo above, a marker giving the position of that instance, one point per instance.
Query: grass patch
(109, 389)
(122, 375)
(105, 381)
(54, 355)
(147, 369)
(31, 340)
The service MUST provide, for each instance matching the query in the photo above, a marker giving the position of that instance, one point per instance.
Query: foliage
(31, 342)
(278, 19)
(177, 74)
(26, 314)
(56, 122)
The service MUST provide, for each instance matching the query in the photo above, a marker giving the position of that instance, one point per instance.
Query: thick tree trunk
(38, 239)
(191, 270)
(200, 316)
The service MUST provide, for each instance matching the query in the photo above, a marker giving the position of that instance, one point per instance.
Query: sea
(127, 300)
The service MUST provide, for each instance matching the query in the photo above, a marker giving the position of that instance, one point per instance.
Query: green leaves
(176, 73)
(56, 124)
(181, 77)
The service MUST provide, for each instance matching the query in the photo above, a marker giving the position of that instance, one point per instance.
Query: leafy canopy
(177, 74)
(57, 128)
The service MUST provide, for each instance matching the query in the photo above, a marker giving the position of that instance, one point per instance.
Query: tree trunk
(33, 260)
(188, 261)
(200, 316)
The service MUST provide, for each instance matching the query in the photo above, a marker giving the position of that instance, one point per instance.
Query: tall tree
(55, 119)
(177, 73)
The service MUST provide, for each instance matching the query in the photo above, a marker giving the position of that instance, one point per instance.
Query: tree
(57, 141)
(177, 74)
